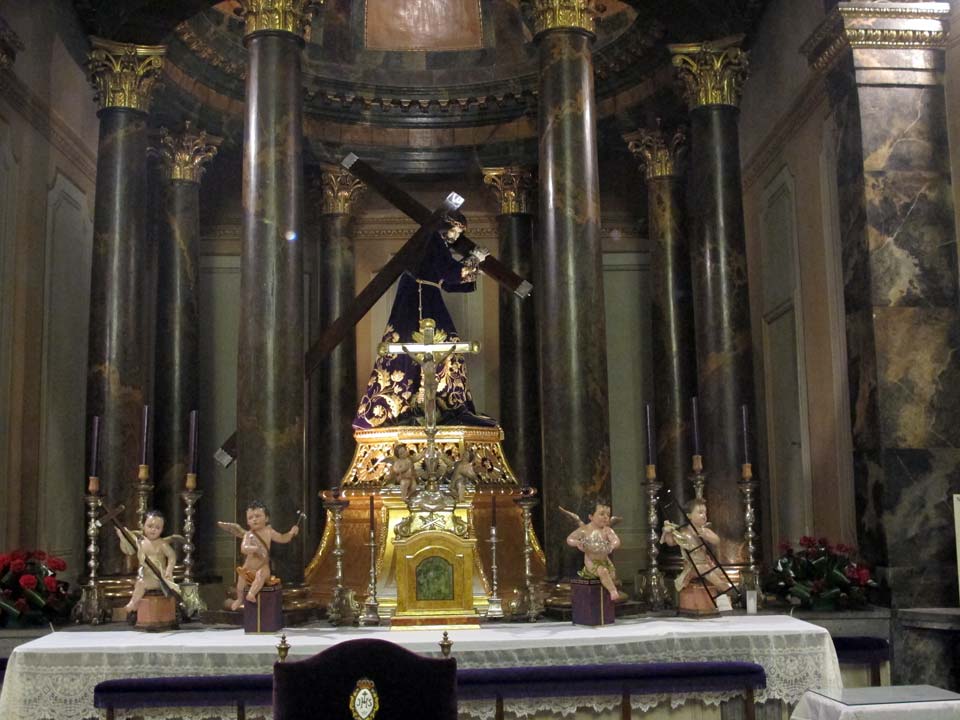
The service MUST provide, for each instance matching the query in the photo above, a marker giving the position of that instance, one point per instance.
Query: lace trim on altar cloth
(568, 706)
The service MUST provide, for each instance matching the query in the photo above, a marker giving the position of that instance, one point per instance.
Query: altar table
(52, 678)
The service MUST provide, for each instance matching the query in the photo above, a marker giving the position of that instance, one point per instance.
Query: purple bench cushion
(184, 691)
(609, 679)
(858, 649)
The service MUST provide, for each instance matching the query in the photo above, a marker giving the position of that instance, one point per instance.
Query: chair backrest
(407, 685)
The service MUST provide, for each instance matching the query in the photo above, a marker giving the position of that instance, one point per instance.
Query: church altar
(52, 678)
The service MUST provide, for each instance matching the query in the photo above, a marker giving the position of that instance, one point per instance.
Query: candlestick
(371, 606)
(651, 444)
(192, 453)
(146, 432)
(95, 447)
(696, 427)
(746, 435)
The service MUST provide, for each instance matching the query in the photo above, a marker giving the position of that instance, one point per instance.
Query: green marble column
(712, 74)
(519, 377)
(183, 157)
(333, 387)
(883, 66)
(270, 379)
(569, 295)
(119, 377)
(673, 341)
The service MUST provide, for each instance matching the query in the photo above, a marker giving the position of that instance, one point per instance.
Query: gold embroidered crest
(364, 701)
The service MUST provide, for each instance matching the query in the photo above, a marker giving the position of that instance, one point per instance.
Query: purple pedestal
(591, 603)
(266, 614)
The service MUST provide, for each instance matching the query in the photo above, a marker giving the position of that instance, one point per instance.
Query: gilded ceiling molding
(10, 44)
(338, 188)
(185, 155)
(198, 47)
(563, 14)
(513, 187)
(658, 156)
(712, 72)
(124, 75)
(897, 26)
(292, 16)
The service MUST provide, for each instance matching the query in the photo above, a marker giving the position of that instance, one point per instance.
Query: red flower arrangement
(30, 592)
(821, 575)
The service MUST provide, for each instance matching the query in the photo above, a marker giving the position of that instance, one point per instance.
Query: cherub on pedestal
(155, 548)
(697, 562)
(462, 475)
(255, 547)
(402, 469)
(596, 540)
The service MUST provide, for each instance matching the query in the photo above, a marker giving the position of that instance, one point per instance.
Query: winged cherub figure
(402, 469)
(157, 549)
(597, 540)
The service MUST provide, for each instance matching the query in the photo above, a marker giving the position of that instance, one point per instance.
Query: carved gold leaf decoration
(339, 190)
(184, 155)
(292, 16)
(124, 75)
(554, 14)
(513, 187)
(712, 72)
(658, 156)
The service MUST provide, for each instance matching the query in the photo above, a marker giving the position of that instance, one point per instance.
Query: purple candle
(371, 513)
(493, 510)
(94, 447)
(696, 427)
(192, 452)
(651, 445)
(746, 435)
(146, 434)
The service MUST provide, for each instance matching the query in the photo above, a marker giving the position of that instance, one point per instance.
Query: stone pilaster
(712, 74)
(183, 157)
(883, 66)
(572, 363)
(118, 375)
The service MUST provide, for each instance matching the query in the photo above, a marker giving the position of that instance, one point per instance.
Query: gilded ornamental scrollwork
(513, 187)
(712, 72)
(292, 16)
(557, 14)
(659, 156)
(124, 75)
(184, 155)
(339, 190)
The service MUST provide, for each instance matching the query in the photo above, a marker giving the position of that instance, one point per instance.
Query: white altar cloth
(52, 678)
(920, 702)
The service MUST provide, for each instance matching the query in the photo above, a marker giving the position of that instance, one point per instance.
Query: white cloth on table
(52, 678)
(816, 706)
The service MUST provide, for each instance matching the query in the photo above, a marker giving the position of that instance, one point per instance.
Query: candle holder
(750, 577)
(144, 493)
(190, 591)
(655, 590)
(698, 478)
(494, 603)
(91, 606)
(343, 609)
(529, 602)
(371, 607)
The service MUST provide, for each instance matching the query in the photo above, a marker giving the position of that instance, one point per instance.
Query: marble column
(270, 380)
(519, 377)
(883, 68)
(333, 386)
(182, 158)
(712, 75)
(674, 348)
(118, 376)
(569, 294)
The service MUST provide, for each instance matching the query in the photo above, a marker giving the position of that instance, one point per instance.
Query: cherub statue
(402, 469)
(696, 561)
(255, 546)
(157, 549)
(462, 474)
(596, 540)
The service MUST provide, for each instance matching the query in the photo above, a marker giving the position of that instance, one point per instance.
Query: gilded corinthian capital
(513, 187)
(712, 72)
(338, 190)
(124, 75)
(184, 155)
(292, 16)
(658, 156)
(555, 14)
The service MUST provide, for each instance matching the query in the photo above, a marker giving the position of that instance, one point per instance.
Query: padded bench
(210, 691)
(862, 650)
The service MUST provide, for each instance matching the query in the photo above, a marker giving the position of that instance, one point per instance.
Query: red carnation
(17, 566)
(807, 541)
(56, 564)
(4, 561)
(28, 582)
(785, 548)
(863, 575)
(50, 583)
(18, 555)
(39, 555)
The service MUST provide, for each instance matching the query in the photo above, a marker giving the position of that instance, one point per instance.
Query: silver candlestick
(371, 608)
(750, 578)
(343, 609)
(91, 610)
(144, 493)
(655, 590)
(188, 588)
(698, 478)
(494, 604)
(529, 599)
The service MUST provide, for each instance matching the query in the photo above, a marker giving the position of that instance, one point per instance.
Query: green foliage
(820, 575)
